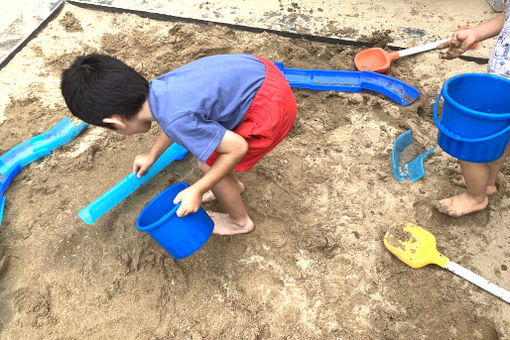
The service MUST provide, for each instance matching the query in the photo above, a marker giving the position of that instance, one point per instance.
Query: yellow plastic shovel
(416, 247)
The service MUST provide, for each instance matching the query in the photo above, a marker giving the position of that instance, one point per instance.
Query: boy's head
(96, 87)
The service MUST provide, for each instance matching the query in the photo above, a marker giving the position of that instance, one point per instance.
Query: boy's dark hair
(97, 86)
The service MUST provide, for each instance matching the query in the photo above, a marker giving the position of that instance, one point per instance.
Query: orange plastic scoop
(378, 60)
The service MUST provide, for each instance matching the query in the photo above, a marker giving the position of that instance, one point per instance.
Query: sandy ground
(315, 267)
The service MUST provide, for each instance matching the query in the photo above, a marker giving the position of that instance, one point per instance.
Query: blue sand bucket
(179, 236)
(475, 119)
(476, 150)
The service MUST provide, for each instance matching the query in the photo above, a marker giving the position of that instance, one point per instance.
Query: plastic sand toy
(474, 121)
(416, 247)
(179, 236)
(377, 59)
(407, 162)
(128, 185)
(350, 81)
(36, 147)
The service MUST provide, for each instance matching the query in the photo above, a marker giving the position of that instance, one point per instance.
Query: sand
(314, 268)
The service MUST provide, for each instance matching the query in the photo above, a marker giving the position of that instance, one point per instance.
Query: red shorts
(268, 120)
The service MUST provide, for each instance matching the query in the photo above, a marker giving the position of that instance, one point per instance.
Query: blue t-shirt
(195, 104)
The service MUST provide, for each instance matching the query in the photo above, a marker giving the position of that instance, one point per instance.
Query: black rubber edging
(167, 17)
(32, 35)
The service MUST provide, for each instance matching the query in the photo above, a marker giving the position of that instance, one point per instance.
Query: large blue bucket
(179, 236)
(474, 124)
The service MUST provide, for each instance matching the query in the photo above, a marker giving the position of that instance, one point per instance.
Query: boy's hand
(190, 199)
(461, 41)
(142, 163)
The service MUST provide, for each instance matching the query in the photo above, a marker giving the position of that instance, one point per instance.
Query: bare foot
(224, 225)
(461, 205)
(491, 189)
(209, 196)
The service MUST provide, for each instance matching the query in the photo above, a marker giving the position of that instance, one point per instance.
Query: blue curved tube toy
(128, 185)
(412, 170)
(2, 205)
(40, 146)
(36, 147)
(350, 81)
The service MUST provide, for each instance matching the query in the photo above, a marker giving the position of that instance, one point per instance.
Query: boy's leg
(209, 195)
(476, 176)
(236, 220)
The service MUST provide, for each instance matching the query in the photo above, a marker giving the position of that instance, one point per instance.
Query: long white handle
(478, 280)
(421, 48)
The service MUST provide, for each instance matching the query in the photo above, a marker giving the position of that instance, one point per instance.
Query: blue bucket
(179, 236)
(476, 150)
(475, 104)
(475, 120)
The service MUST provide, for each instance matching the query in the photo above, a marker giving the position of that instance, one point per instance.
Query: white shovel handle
(478, 280)
(421, 48)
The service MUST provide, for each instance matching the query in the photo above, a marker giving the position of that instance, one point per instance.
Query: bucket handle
(450, 134)
(160, 221)
(436, 105)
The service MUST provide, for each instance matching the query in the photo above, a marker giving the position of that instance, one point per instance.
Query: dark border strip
(167, 17)
(32, 35)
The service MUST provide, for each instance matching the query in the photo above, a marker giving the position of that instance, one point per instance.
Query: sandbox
(314, 268)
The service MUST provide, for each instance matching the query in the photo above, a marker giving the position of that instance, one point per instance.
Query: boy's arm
(232, 149)
(464, 39)
(143, 162)
(160, 145)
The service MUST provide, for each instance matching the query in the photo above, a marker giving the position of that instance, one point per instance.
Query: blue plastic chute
(350, 81)
(36, 147)
(128, 185)
(41, 145)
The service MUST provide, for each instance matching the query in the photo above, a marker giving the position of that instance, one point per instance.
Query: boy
(227, 110)
(479, 178)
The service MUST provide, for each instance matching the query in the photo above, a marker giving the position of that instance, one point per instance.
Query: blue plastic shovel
(413, 170)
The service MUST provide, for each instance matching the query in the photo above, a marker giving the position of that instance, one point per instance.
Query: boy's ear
(115, 120)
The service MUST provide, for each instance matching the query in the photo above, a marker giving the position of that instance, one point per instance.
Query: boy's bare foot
(224, 225)
(209, 195)
(461, 204)
(491, 189)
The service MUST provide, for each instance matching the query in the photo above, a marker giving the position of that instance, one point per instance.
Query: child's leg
(209, 195)
(476, 176)
(236, 220)
(494, 168)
